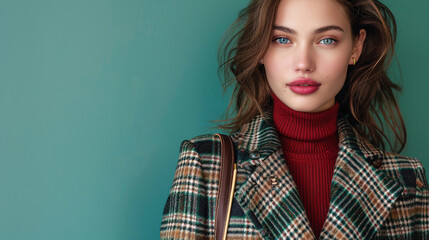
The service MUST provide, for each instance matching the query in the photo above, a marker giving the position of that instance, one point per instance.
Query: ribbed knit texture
(310, 146)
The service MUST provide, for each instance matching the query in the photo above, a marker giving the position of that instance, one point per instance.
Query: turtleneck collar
(304, 132)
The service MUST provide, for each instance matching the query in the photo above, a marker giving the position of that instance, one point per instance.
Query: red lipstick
(304, 86)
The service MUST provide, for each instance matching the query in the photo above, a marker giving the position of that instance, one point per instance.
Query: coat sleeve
(183, 216)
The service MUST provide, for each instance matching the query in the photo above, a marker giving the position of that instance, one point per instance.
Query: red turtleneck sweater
(310, 147)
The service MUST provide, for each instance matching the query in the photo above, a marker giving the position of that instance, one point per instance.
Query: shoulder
(408, 209)
(193, 192)
(203, 144)
(409, 171)
(199, 157)
(401, 161)
(197, 167)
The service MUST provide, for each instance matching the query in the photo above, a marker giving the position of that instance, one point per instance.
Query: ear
(261, 61)
(358, 46)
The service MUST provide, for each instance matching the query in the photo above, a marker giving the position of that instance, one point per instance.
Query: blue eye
(282, 40)
(328, 41)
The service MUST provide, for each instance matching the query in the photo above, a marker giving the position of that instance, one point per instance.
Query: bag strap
(228, 171)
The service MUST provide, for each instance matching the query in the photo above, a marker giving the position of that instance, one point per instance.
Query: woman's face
(312, 46)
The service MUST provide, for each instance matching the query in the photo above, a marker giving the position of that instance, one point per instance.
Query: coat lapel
(265, 188)
(361, 196)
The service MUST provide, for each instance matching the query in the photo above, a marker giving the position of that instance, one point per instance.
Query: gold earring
(354, 61)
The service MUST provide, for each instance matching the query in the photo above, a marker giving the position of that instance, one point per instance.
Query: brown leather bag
(228, 171)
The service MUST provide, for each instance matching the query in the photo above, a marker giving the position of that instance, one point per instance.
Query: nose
(304, 59)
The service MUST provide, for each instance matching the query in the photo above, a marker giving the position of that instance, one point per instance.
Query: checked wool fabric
(374, 194)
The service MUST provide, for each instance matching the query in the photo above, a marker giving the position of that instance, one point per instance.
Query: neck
(306, 133)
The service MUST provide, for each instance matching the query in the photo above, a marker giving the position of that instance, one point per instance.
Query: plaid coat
(374, 194)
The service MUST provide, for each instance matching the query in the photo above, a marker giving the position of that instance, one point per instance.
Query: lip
(304, 86)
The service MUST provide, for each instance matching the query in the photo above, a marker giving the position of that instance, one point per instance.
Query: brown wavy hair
(368, 95)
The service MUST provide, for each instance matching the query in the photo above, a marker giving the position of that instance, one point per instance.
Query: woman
(313, 103)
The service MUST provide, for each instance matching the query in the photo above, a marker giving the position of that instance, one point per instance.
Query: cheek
(335, 68)
(276, 65)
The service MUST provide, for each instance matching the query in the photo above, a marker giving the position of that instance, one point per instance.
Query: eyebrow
(317, 31)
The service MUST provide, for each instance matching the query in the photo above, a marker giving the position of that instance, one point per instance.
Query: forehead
(303, 15)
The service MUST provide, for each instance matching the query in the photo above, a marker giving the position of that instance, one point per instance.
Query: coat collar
(361, 195)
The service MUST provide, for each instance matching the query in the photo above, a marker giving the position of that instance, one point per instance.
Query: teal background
(96, 96)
